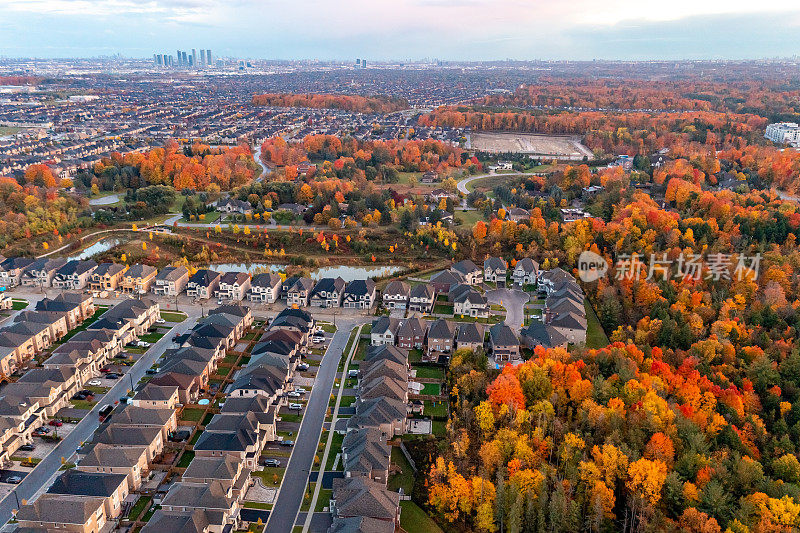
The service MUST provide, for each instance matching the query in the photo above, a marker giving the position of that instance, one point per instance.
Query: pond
(347, 273)
(204, 401)
(99, 247)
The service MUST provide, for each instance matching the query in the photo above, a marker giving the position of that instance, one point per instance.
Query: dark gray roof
(502, 335)
(87, 483)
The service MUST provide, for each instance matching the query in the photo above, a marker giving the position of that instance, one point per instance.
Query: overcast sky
(404, 29)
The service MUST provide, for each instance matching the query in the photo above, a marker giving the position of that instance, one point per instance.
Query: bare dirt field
(530, 143)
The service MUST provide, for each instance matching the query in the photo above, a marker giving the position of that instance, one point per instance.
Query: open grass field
(530, 143)
(595, 336)
(413, 518)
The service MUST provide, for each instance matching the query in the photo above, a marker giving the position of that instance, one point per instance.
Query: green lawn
(347, 401)
(431, 389)
(328, 328)
(468, 218)
(435, 409)
(413, 519)
(361, 351)
(595, 336)
(405, 478)
(82, 404)
(267, 475)
(258, 505)
(210, 217)
(442, 309)
(16, 304)
(415, 355)
(140, 505)
(292, 417)
(430, 372)
(186, 458)
(323, 500)
(151, 337)
(230, 359)
(439, 428)
(193, 415)
(171, 316)
(336, 447)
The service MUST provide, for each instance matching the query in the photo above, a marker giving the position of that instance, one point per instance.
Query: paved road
(34, 482)
(290, 497)
(105, 200)
(514, 301)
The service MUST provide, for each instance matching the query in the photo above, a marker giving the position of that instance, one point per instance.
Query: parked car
(79, 396)
(95, 382)
(143, 344)
(301, 390)
(151, 371)
(296, 406)
(316, 339)
(303, 366)
(112, 375)
(293, 394)
(14, 479)
(56, 423)
(41, 431)
(160, 321)
(271, 462)
(105, 370)
(27, 447)
(105, 412)
(287, 443)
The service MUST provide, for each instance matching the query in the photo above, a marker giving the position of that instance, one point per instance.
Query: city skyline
(405, 30)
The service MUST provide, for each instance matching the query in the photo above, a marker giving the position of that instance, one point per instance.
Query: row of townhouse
(121, 453)
(439, 338)
(564, 315)
(43, 391)
(209, 495)
(361, 501)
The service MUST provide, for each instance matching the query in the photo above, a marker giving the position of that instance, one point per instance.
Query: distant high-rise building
(185, 61)
(208, 58)
(179, 58)
(358, 62)
(193, 60)
(160, 60)
(363, 63)
(155, 59)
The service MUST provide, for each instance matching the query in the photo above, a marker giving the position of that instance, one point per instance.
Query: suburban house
(112, 488)
(171, 281)
(549, 279)
(470, 335)
(265, 288)
(384, 330)
(411, 333)
(64, 512)
(545, 335)
(298, 291)
(40, 273)
(504, 344)
(443, 281)
(525, 271)
(495, 269)
(233, 205)
(359, 294)
(471, 273)
(130, 461)
(439, 339)
(468, 302)
(422, 298)
(202, 284)
(517, 214)
(73, 275)
(11, 270)
(396, 294)
(233, 286)
(327, 293)
(156, 397)
(106, 277)
(138, 279)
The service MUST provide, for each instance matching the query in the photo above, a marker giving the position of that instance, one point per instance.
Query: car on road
(28, 447)
(271, 462)
(56, 423)
(287, 443)
(296, 406)
(14, 479)
(94, 382)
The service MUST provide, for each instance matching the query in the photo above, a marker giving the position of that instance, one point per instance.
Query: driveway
(513, 300)
(295, 478)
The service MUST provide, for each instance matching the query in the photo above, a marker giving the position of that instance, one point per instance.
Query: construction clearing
(546, 146)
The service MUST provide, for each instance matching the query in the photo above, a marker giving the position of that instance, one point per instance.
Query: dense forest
(355, 104)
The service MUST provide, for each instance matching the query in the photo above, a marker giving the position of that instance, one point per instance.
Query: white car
(301, 390)
(143, 344)
(296, 406)
(293, 394)
(94, 383)
(317, 340)
(160, 321)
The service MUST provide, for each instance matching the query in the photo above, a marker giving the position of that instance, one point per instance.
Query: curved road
(514, 301)
(462, 185)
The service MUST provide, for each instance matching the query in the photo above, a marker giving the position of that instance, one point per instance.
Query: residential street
(290, 497)
(38, 477)
(514, 301)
